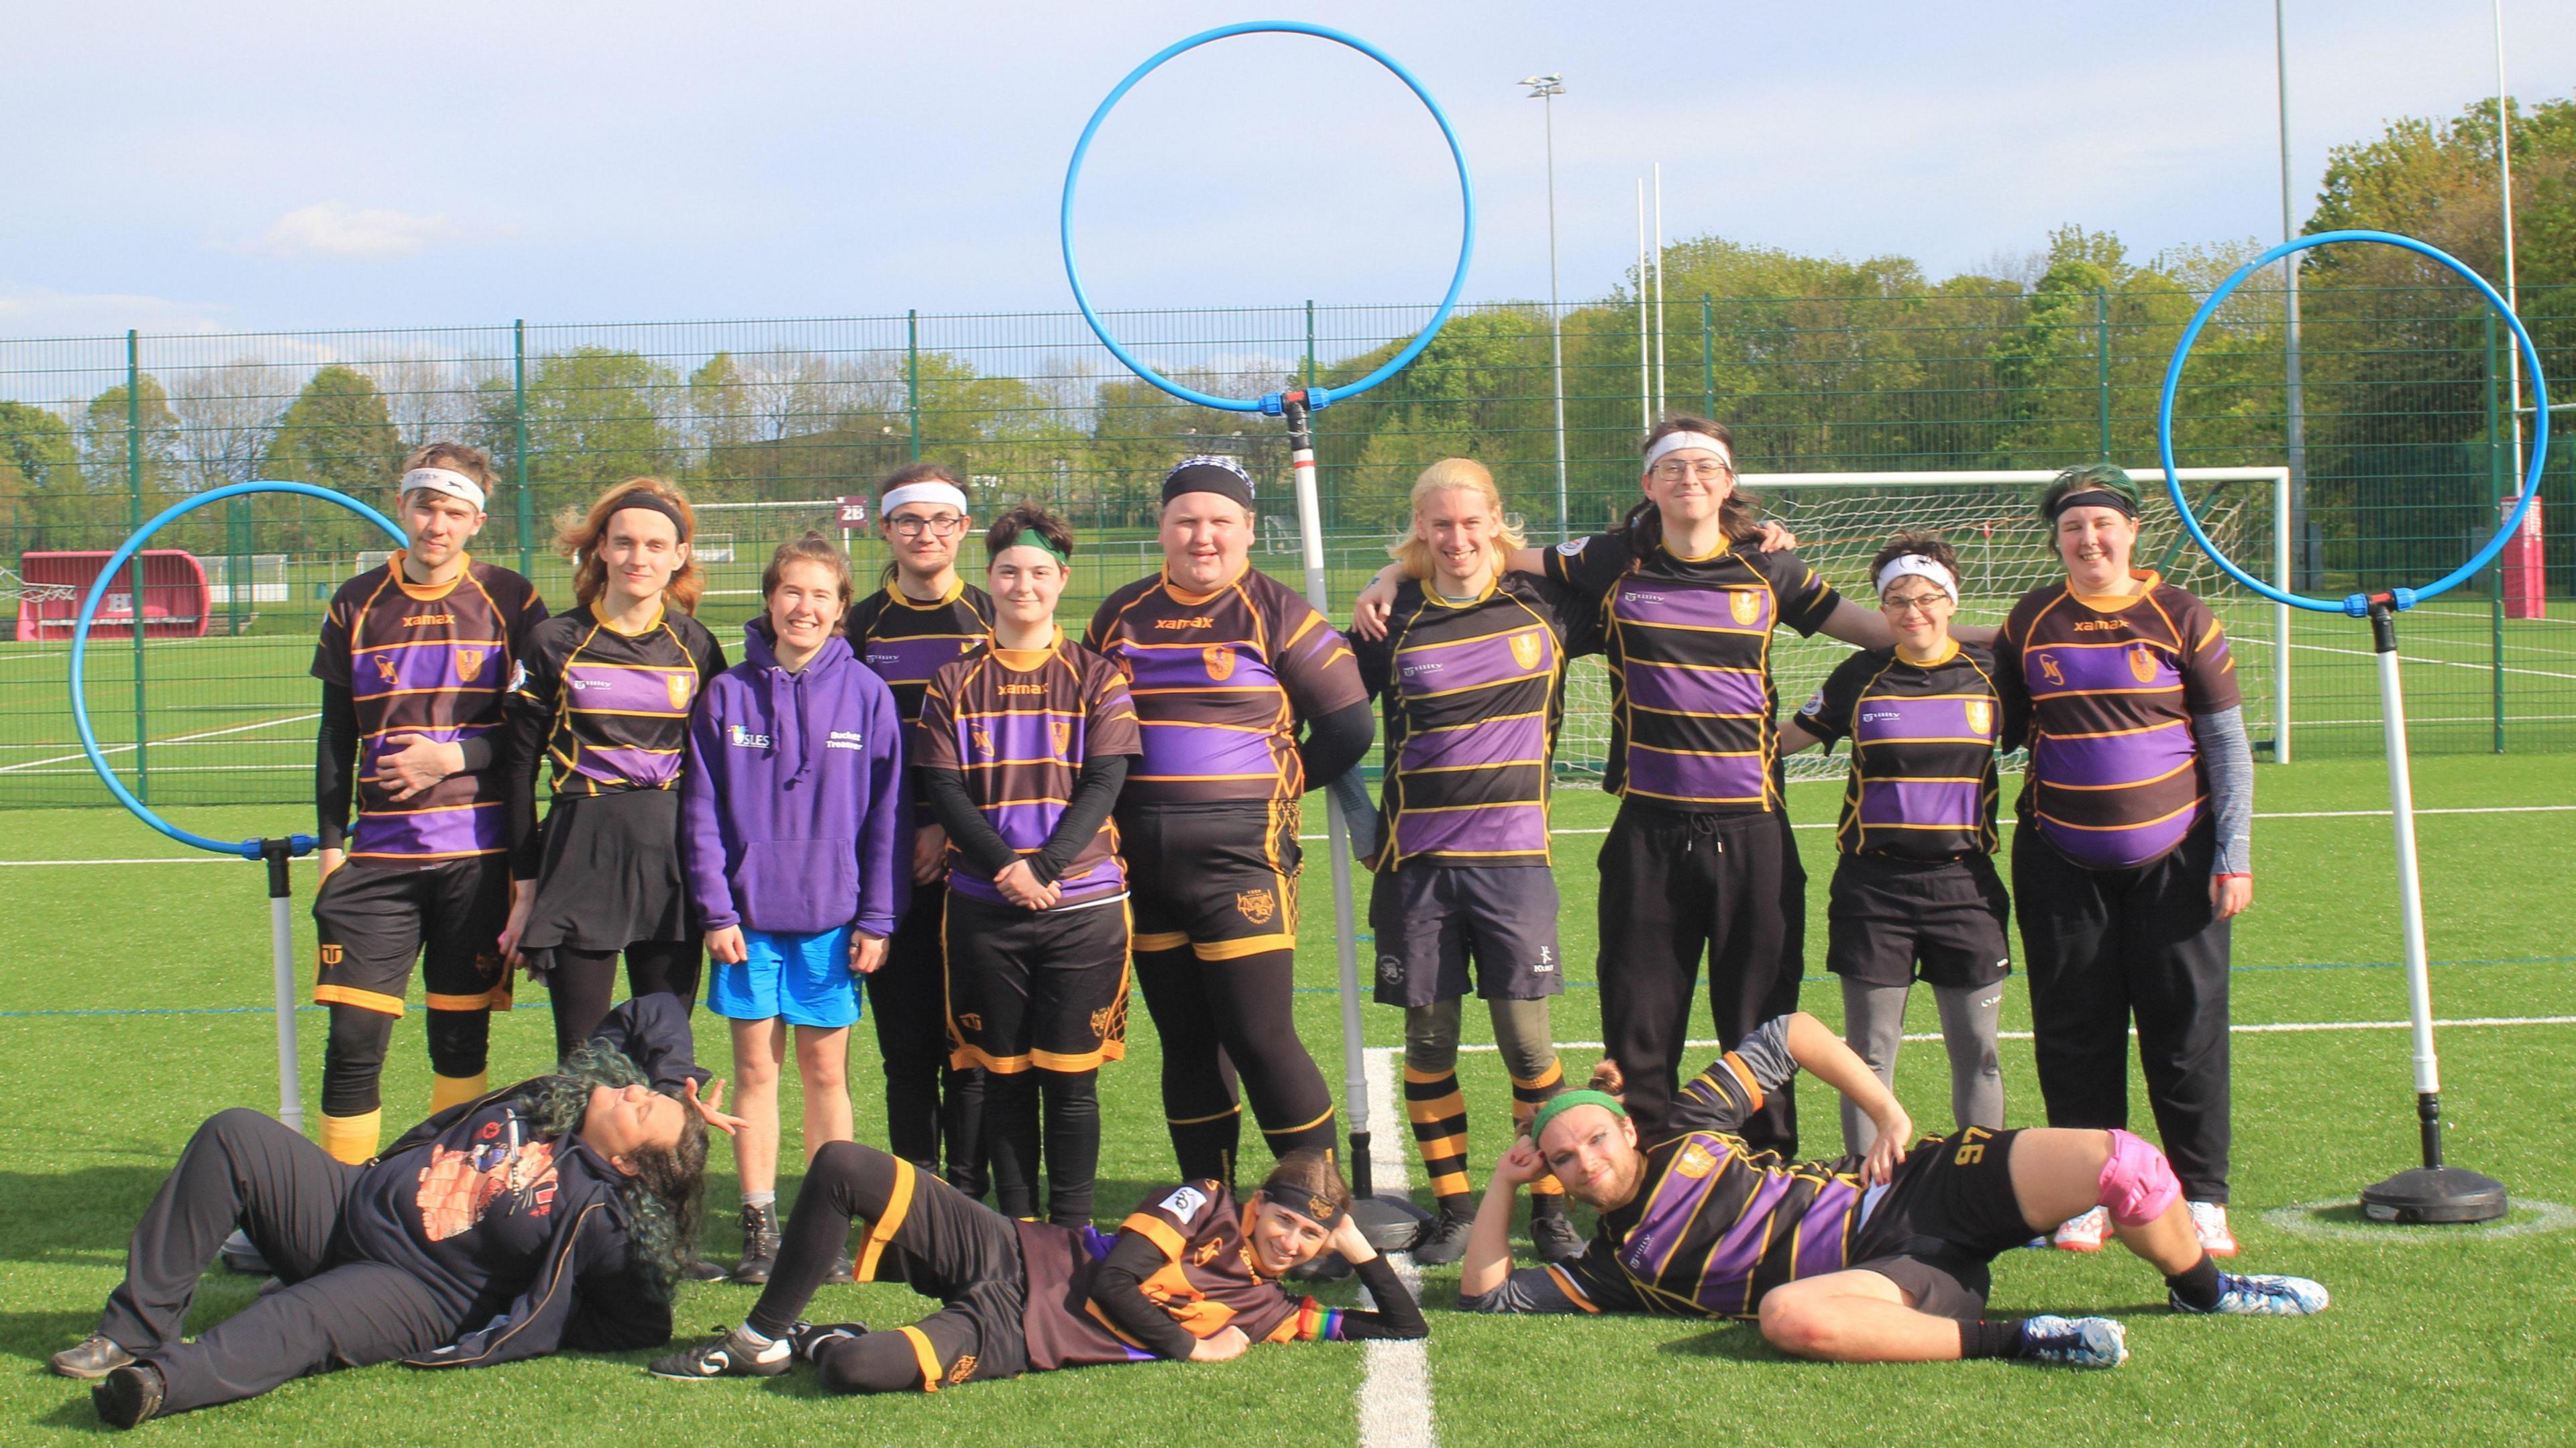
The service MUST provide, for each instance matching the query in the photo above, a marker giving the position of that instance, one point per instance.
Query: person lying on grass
(556, 1213)
(1876, 1258)
(1189, 1275)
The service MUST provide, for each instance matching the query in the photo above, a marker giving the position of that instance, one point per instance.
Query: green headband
(1032, 538)
(1563, 1102)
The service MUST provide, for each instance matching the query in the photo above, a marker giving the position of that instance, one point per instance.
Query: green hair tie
(1563, 1102)
(1032, 538)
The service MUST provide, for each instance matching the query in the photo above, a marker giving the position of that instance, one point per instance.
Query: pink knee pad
(2138, 1184)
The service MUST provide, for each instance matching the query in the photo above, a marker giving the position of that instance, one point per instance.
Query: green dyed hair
(665, 1201)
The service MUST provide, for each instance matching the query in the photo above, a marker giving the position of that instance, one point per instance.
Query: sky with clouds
(294, 165)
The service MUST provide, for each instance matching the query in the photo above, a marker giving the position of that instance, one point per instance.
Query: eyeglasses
(1673, 470)
(910, 526)
(1924, 602)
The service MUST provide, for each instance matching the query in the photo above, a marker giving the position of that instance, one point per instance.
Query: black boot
(1551, 1230)
(759, 1245)
(129, 1395)
(1443, 1239)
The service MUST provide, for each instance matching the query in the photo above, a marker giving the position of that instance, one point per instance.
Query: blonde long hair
(1462, 475)
(578, 536)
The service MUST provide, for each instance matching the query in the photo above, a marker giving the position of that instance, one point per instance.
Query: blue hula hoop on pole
(2357, 605)
(247, 849)
(1271, 403)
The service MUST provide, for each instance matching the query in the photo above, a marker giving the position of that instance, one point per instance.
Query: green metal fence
(768, 422)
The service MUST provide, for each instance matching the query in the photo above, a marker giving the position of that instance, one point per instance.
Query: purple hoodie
(795, 821)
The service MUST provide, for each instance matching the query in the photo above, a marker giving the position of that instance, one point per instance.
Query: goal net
(1842, 519)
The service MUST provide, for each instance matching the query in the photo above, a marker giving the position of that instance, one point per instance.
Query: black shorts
(950, 1246)
(1949, 1212)
(1890, 922)
(1219, 878)
(1441, 928)
(373, 923)
(1044, 989)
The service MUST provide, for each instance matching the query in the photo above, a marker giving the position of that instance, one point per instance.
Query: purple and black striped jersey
(433, 662)
(1689, 647)
(616, 705)
(1474, 694)
(905, 641)
(1220, 681)
(2107, 688)
(1922, 783)
(1018, 725)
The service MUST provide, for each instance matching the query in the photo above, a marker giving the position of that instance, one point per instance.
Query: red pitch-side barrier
(174, 596)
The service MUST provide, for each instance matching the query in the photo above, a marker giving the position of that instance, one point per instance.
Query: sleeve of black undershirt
(1093, 795)
(968, 830)
(1396, 1317)
(520, 755)
(1118, 1290)
(1336, 741)
(335, 765)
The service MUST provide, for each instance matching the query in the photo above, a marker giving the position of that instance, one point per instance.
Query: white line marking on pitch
(1395, 1382)
(177, 739)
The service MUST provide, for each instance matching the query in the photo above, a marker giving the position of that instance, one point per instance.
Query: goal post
(1990, 517)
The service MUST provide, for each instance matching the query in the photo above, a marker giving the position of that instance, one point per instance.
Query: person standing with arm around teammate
(1472, 671)
(604, 693)
(2135, 843)
(796, 838)
(924, 618)
(1914, 886)
(1225, 664)
(414, 659)
(1682, 600)
(1022, 747)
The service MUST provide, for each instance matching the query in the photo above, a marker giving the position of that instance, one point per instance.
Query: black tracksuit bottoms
(2102, 946)
(249, 1170)
(1676, 885)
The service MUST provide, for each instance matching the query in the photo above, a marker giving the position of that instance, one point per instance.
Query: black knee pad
(353, 1059)
(460, 1042)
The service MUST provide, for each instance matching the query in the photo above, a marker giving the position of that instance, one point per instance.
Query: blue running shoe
(2262, 1297)
(2082, 1342)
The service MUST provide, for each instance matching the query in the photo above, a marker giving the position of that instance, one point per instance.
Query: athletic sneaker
(240, 1254)
(1554, 1237)
(2240, 1296)
(128, 1396)
(1443, 1239)
(810, 1337)
(2082, 1342)
(2209, 1219)
(844, 1271)
(730, 1356)
(2084, 1233)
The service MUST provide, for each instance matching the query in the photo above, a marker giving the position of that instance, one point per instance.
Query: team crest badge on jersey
(385, 667)
(2048, 668)
(1746, 606)
(1220, 662)
(1062, 733)
(678, 687)
(1981, 716)
(469, 662)
(1525, 650)
(1257, 905)
(2142, 664)
(983, 740)
(1696, 1161)
(1206, 1253)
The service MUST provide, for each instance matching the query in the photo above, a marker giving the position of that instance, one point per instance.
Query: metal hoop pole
(1315, 397)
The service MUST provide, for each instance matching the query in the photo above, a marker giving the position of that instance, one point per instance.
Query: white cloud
(44, 312)
(338, 231)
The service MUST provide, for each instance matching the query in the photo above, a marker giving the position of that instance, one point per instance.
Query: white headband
(445, 480)
(1676, 441)
(1920, 567)
(928, 491)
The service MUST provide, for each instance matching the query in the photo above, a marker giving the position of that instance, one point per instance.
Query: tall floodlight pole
(1545, 89)
(1645, 358)
(2504, 160)
(1659, 288)
(2294, 391)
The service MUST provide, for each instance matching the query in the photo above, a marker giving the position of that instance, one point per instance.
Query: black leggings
(246, 1169)
(926, 1100)
(1070, 1133)
(353, 1061)
(581, 983)
(1218, 1018)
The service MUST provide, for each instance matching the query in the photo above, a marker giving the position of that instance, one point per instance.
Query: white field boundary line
(175, 739)
(2404, 657)
(2294, 814)
(1395, 1377)
(2266, 1028)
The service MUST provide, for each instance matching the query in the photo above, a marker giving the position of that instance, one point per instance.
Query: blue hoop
(2358, 604)
(1316, 397)
(247, 849)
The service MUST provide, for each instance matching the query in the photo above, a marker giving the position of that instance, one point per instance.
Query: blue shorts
(804, 979)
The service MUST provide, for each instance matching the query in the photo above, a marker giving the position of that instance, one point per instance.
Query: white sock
(753, 1335)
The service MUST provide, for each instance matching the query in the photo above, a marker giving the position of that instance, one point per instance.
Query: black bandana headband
(2094, 498)
(651, 502)
(1216, 474)
(1313, 1206)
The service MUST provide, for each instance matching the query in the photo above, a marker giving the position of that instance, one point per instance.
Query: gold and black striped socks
(1438, 1111)
(1527, 1097)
